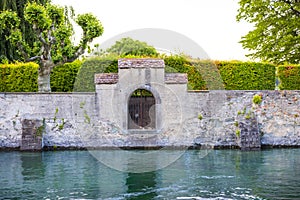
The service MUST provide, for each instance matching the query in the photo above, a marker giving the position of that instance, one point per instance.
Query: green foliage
(256, 99)
(238, 133)
(181, 64)
(9, 50)
(200, 117)
(238, 75)
(236, 124)
(53, 33)
(209, 73)
(20, 77)
(37, 15)
(63, 77)
(289, 76)
(91, 27)
(128, 46)
(276, 35)
(85, 79)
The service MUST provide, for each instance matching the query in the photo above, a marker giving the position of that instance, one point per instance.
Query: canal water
(217, 174)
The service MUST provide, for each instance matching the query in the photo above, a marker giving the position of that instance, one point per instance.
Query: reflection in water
(141, 185)
(33, 166)
(272, 174)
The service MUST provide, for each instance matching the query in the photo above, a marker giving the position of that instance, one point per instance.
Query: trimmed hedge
(85, 78)
(19, 77)
(62, 77)
(237, 75)
(289, 76)
(182, 65)
(214, 75)
(210, 74)
(22, 77)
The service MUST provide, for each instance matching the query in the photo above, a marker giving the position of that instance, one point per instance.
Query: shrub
(181, 64)
(238, 75)
(63, 77)
(84, 81)
(19, 77)
(22, 77)
(289, 76)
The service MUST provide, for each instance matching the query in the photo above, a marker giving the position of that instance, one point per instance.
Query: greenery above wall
(19, 77)
(202, 75)
(238, 75)
(289, 76)
(63, 77)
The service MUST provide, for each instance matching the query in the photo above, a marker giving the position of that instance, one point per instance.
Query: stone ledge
(106, 78)
(141, 63)
(176, 78)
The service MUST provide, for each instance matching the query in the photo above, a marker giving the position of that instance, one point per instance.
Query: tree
(8, 51)
(276, 37)
(53, 36)
(128, 46)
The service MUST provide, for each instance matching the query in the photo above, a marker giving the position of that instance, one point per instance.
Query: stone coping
(127, 63)
(176, 78)
(106, 78)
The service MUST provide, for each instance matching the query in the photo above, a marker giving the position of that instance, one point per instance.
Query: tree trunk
(44, 75)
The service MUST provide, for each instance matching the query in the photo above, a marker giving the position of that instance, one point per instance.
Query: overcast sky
(209, 23)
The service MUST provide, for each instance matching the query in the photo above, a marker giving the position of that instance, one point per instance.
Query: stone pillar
(250, 135)
(32, 135)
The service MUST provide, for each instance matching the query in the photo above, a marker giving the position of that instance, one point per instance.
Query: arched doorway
(141, 110)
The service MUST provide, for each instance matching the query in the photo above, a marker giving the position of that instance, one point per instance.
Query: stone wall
(182, 118)
(62, 112)
(205, 118)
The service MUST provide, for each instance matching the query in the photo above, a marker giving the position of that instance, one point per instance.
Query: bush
(62, 77)
(181, 64)
(19, 77)
(289, 76)
(85, 78)
(209, 73)
(238, 75)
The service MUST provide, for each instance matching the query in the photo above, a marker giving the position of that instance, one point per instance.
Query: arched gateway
(141, 98)
(141, 110)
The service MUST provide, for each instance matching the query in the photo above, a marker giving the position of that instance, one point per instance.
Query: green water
(221, 174)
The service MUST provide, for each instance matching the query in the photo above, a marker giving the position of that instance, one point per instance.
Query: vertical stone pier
(32, 134)
(250, 135)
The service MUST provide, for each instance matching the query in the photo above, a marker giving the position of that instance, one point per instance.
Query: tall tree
(129, 46)
(7, 50)
(53, 30)
(276, 36)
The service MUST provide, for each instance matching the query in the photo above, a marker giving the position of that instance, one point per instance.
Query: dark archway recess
(141, 110)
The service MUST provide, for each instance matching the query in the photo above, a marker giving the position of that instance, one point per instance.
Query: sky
(211, 24)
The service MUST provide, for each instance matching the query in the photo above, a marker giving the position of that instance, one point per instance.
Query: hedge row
(62, 77)
(180, 64)
(84, 81)
(22, 77)
(213, 75)
(289, 76)
(238, 75)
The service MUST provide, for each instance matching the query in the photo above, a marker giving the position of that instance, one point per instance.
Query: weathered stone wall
(61, 113)
(223, 111)
(182, 118)
(204, 118)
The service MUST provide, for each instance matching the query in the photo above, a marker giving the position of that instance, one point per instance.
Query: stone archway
(141, 110)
